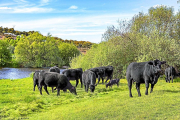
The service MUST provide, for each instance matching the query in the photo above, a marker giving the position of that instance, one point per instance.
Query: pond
(18, 73)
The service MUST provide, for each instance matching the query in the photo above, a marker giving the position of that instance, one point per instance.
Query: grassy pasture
(19, 101)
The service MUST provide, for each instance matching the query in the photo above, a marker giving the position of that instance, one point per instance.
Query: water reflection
(18, 73)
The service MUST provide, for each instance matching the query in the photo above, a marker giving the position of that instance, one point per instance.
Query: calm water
(17, 73)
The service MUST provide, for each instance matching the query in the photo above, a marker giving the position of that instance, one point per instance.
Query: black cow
(52, 79)
(54, 69)
(74, 74)
(112, 82)
(170, 73)
(99, 72)
(108, 72)
(89, 80)
(143, 72)
(36, 78)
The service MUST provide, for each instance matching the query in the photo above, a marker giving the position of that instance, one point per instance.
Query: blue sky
(78, 20)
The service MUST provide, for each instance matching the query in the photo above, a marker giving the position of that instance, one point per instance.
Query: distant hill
(10, 33)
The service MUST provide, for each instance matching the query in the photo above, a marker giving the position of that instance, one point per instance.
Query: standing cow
(89, 80)
(143, 72)
(52, 79)
(170, 73)
(36, 78)
(108, 72)
(74, 74)
(99, 72)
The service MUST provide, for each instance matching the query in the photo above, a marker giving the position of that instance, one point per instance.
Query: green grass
(19, 101)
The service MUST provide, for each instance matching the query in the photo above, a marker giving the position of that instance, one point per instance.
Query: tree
(5, 55)
(67, 52)
(37, 50)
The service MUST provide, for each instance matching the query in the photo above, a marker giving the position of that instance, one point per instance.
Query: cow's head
(73, 90)
(92, 88)
(109, 68)
(101, 71)
(156, 65)
(107, 85)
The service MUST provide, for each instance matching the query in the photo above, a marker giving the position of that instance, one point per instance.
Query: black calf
(112, 82)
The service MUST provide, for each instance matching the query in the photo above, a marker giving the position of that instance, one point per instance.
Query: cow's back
(135, 71)
(54, 79)
(87, 76)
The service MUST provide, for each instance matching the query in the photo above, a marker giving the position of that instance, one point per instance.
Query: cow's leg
(98, 79)
(152, 86)
(138, 89)
(172, 78)
(87, 87)
(102, 79)
(58, 91)
(81, 82)
(77, 81)
(107, 79)
(169, 77)
(35, 85)
(45, 88)
(130, 87)
(118, 84)
(147, 87)
(40, 88)
(52, 89)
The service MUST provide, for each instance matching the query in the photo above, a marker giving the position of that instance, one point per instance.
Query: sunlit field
(19, 101)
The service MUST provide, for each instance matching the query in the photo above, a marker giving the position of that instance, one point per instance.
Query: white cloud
(32, 10)
(73, 7)
(5, 8)
(88, 28)
(159, 6)
(44, 2)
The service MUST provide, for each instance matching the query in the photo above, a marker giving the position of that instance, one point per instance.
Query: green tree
(5, 55)
(67, 52)
(146, 37)
(37, 50)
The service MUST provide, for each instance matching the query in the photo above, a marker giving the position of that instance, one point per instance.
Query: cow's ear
(150, 63)
(163, 62)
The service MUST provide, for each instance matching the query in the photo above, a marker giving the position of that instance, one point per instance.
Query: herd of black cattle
(142, 72)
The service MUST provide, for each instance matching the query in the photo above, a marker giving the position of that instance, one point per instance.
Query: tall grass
(19, 101)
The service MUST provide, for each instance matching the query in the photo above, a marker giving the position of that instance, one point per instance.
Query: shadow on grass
(176, 80)
(172, 91)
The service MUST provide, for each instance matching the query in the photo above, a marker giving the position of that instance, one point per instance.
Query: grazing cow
(36, 78)
(54, 69)
(52, 79)
(99, 72)
(74, 74)
(112, 82)
(170, 73)
(89, 80)
(143, 72)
